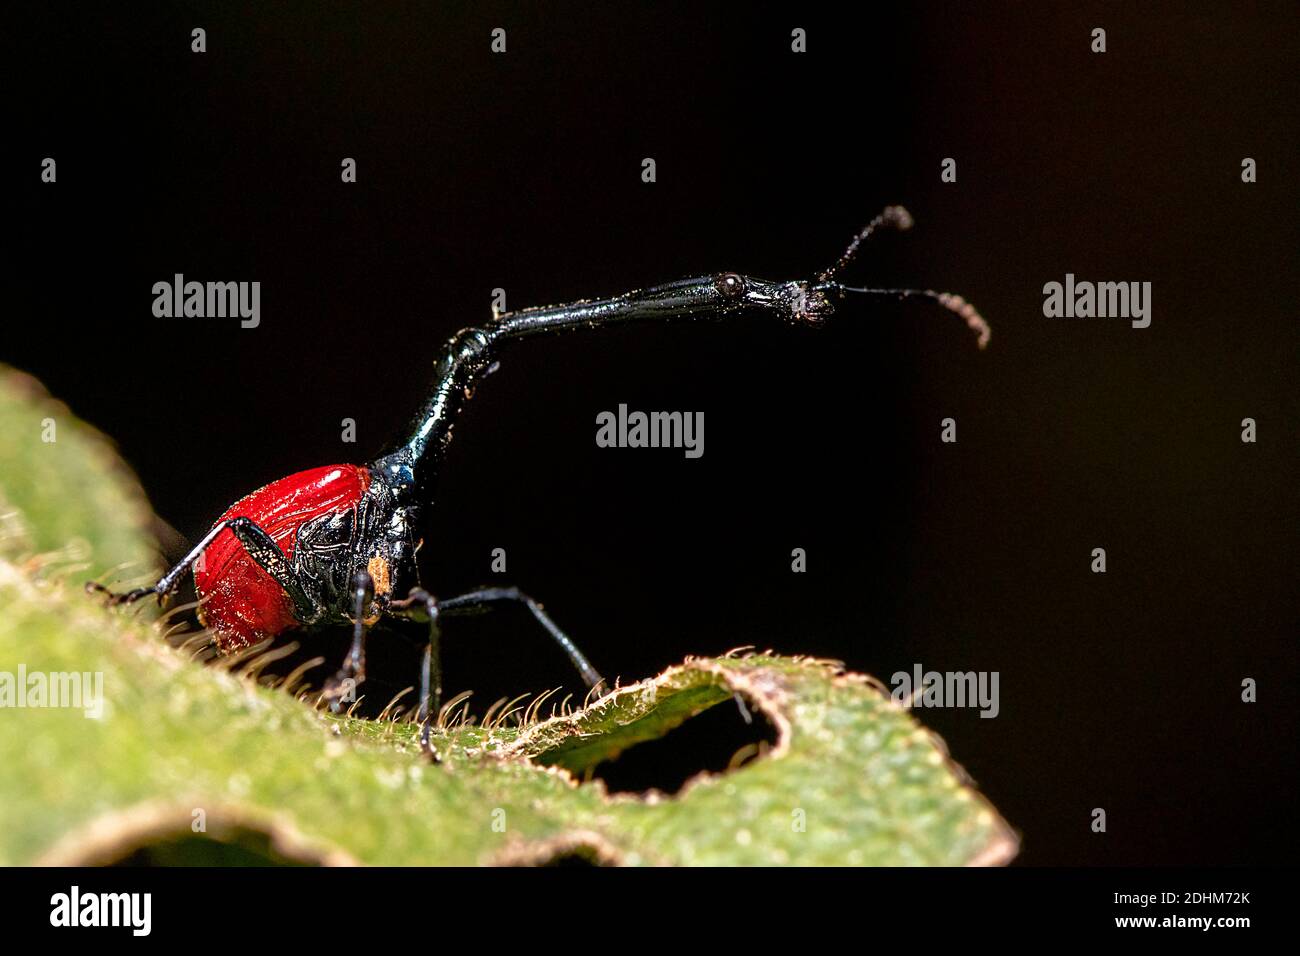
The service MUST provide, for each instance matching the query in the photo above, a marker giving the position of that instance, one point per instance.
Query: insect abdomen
(241, 602)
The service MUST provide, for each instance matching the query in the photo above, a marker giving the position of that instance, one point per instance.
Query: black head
(796, 301)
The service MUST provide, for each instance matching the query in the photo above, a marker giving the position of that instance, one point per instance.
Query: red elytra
(242, 603)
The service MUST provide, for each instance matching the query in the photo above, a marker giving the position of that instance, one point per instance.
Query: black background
(522, 171)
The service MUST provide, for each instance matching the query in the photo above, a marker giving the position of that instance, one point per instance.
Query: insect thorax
(377, 536)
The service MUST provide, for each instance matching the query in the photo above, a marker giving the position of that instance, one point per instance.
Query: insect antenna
(896, 217)
(953, 303)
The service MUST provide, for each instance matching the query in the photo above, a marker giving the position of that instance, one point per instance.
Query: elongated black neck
(470, 353)
(697, 298)
(464, 360)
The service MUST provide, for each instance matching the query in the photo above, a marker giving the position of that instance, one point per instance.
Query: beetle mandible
(336, 545)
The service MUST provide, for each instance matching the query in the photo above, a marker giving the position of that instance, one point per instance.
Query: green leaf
(196, 764)
(67, 502)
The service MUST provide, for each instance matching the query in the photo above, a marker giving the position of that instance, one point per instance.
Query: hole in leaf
(574, 858)
(715, 740)
(243, 848)
(151, 834)
(579, 849)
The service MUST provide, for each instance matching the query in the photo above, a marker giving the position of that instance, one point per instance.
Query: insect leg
(353, 671)
(422, 603)
(168, 582)
(491, 595)
(261, 547)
